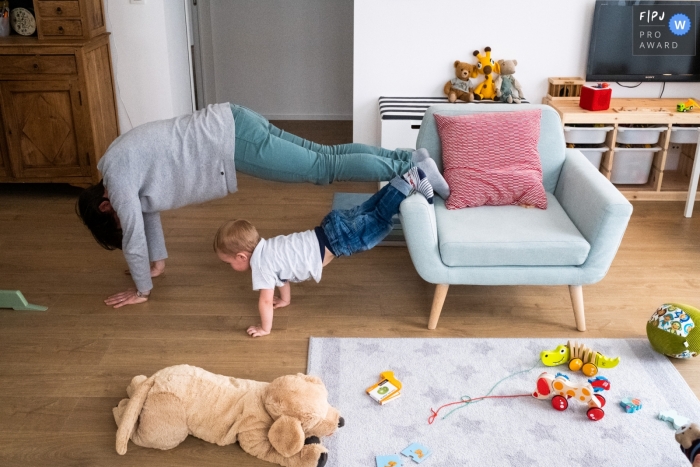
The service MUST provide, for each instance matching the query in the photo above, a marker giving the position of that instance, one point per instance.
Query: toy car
(686, 106)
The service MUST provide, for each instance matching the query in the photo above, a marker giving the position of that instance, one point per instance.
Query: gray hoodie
(165, 165)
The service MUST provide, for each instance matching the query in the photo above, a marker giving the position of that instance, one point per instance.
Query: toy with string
(558, 388)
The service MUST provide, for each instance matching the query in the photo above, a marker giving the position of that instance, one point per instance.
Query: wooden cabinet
(58, 110)
(69, 19)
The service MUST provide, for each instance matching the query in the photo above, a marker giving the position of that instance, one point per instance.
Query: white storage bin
(673, 157)
(594, 155)
(684, 135)
(628, 135)
(585, 135)
(632, 165)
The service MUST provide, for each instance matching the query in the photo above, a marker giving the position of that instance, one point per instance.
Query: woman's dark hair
(102, 225)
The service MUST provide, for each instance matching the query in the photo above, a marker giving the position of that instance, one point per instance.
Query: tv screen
(644, 41)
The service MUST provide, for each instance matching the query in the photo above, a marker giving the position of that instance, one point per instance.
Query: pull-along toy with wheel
(579, 357)
(560, 390)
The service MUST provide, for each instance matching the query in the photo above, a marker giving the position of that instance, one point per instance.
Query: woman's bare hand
(127, 297)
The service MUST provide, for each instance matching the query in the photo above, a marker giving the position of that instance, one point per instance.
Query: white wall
(283, 59)
(151, 68)
(408, 47)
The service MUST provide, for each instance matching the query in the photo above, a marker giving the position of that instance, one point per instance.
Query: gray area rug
(522, 432)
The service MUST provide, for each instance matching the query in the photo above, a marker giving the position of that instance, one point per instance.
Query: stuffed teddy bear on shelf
(279, 422)
(508, 88)
(688, 436)
(460, 87)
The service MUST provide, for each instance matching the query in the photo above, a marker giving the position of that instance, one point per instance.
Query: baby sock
(422, 160)
(419, 182)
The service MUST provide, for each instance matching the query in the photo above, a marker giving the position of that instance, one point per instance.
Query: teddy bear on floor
(460, 87)
(279, 422)
(507, 87)
(689, 438)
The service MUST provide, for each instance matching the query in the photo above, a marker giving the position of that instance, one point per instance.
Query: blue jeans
(362, 227)
(265, 151)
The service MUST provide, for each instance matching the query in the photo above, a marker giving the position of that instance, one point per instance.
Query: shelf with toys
(648, 146)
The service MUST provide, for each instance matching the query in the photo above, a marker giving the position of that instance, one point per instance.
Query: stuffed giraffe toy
(485, 66)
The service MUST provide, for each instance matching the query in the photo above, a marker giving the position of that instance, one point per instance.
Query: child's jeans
(362, 227)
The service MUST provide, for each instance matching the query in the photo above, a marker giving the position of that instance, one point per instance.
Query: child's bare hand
(277, 302)
(257, 331)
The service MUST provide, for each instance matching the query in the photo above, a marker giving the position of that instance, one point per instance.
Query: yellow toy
(485, 66)
(579, 357)
(387, 389)
(686, 106)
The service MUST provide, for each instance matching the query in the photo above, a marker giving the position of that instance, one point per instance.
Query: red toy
(595, 98)
(560, 389)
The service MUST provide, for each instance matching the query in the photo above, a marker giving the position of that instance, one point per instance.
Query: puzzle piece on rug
(672, 416)
(391, 460)
(417, 452)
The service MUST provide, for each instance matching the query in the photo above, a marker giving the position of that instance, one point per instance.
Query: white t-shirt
(287, 258)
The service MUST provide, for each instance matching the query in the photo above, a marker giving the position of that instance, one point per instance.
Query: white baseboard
(308, 117)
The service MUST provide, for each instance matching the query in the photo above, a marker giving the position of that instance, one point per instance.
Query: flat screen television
(644, 41)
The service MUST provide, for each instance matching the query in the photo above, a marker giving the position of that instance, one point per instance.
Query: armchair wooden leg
(576, 292)
(438, 301)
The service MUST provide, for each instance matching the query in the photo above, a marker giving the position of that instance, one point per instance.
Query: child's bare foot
(278, 302)
(257, 331)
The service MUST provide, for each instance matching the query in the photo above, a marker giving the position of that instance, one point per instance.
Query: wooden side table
(663, 185)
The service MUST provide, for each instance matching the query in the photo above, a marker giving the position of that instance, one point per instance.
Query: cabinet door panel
(42, 121)
(5, 171)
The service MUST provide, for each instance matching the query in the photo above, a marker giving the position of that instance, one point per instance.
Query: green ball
(671, 330)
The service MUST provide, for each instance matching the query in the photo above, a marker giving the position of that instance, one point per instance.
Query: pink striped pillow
(492, 159)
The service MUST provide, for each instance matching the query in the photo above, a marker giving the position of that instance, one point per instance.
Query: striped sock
(419, 183)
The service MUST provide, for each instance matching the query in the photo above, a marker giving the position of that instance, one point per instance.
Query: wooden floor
(62, 371)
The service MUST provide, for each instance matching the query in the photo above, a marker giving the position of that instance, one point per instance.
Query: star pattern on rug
(594, 460)
(618, 433)
(369, 348)
(461, 421)
(438, 395)
(485, 348)
(520, 459)
(463, 372)
(429, 350)
(546, 431)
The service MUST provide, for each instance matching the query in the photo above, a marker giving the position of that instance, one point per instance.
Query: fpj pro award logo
(664, 29)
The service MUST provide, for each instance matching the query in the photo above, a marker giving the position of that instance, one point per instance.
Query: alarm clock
(22, 21)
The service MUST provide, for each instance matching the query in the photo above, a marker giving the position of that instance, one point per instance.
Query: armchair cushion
(492, 159)
(509, 236)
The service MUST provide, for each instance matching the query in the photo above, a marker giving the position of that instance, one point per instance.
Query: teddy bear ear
(310, 378)
(286, 436)
(515, 62)
(456, 63)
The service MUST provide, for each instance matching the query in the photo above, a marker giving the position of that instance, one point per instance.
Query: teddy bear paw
(314, 454)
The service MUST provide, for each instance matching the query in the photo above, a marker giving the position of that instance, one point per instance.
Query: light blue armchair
(572, 242)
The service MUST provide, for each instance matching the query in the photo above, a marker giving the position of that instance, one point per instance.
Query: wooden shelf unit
(669, 186)
(58, 111)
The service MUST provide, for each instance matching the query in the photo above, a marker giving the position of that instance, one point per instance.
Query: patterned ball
(671, 330)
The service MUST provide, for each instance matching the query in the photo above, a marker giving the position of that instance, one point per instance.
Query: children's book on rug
(387, 389)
